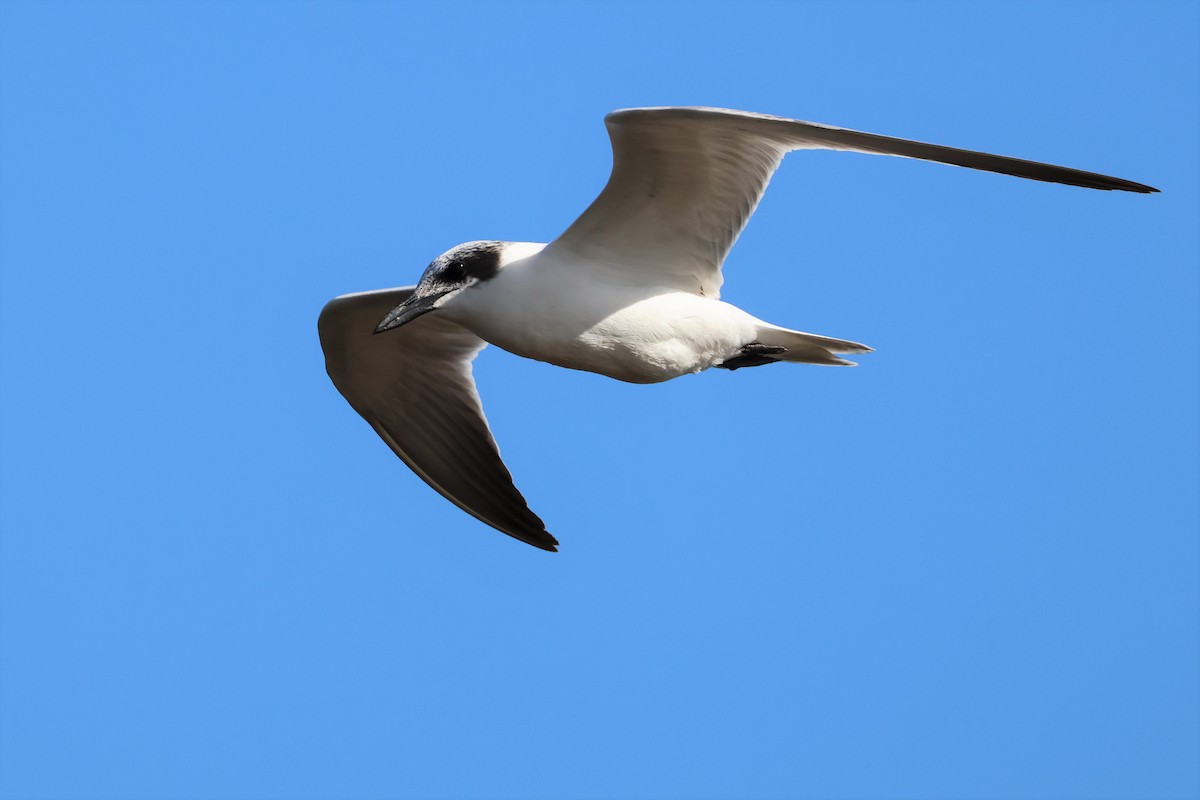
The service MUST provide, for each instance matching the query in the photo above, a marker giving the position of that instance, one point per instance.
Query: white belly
(662, 337)
(627, 333)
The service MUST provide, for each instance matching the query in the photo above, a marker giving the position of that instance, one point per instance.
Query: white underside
(569, 317)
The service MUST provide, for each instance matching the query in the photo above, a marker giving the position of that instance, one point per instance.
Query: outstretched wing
(685, 180)
(415, 388)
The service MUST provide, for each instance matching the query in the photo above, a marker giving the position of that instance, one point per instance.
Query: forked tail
(808, 348)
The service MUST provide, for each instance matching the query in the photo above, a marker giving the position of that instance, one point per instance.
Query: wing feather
(415, 387)
(686, 180)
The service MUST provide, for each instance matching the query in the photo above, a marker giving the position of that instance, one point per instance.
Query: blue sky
(967, 569)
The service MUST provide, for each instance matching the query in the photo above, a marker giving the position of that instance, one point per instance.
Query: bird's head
(450, 274)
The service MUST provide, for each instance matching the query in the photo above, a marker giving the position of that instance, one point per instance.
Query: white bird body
(585, 319)
(631, 291)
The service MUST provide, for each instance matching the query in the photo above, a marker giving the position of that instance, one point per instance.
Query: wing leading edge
(685, 181)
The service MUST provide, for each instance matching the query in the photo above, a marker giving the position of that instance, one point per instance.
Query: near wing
(685, 180)
(414, 386)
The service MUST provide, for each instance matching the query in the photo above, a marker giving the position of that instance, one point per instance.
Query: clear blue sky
(967, 569)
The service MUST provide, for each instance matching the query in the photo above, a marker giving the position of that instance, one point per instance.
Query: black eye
(454, 272)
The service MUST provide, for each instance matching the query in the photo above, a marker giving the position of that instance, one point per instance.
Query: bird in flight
(631, 290)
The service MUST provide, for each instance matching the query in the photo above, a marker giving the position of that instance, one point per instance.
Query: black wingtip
(1092, 180)
(549, 543)
(1140, 188)
(541, 539)
(1119, 184)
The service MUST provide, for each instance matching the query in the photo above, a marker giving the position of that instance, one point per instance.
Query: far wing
(685, 180)
(415, 388)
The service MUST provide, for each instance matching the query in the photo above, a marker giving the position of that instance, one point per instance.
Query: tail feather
(809, 348)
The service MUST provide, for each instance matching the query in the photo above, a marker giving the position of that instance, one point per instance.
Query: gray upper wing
(686, 180)
(415, 387)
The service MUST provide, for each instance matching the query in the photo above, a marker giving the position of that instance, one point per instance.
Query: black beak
(407, 311)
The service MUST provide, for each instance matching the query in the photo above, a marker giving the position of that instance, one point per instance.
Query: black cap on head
(473, 262)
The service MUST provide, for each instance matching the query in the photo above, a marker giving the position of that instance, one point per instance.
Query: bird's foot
(754, 354)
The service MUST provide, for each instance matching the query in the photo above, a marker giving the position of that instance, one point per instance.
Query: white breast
(570, 318)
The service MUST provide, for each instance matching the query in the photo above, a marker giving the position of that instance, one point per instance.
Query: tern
(631, 290)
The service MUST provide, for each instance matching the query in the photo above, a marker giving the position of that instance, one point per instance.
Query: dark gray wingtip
(543, 540)
(1122, 185)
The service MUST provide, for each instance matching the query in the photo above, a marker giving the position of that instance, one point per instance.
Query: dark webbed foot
(754, 354)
